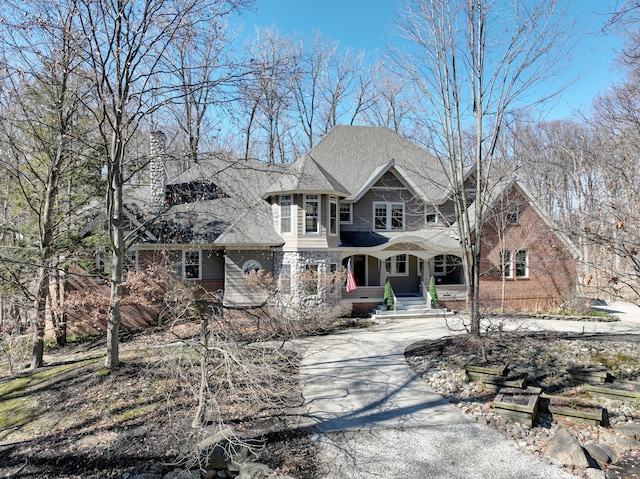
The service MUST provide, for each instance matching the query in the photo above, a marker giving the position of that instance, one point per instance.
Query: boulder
(610, 451)
(593, 473)
(182, 474)
(253, 470)
(598, 453)
(630, 430)
(621, 444)
(565, 449)
(222, 450)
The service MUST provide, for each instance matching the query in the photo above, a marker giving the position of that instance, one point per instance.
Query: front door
(360, 269)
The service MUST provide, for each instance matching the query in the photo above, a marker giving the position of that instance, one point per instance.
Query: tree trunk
(112, 360)
(46, 244)
(37, 357)
(200, 416)
(115, 208)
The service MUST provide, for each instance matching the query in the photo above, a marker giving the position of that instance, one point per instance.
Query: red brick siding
(363, 309)
(211, 285)
(552, 273)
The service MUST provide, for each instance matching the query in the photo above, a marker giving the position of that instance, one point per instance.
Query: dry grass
(75, 419)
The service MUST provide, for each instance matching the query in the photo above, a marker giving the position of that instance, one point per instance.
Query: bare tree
(474, 63)
(125, 46)
(610, 226)
(392, 103)
(206, 72)
(265, 96)
(43, 136)
(331, 86)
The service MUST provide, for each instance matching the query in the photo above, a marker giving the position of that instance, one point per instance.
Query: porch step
(408, 308)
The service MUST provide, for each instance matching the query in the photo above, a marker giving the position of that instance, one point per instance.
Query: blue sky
(366, 25)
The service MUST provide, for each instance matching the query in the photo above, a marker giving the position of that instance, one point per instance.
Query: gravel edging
(544, 357)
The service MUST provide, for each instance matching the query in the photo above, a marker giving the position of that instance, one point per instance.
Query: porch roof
(436, 240)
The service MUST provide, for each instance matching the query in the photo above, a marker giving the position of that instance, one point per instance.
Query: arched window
(251, 265)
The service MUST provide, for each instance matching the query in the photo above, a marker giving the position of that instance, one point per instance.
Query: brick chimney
(157, 171)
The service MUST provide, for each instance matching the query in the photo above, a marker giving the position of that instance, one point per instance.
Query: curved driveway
(377, 419)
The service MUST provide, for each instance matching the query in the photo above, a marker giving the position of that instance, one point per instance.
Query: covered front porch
(408, 272)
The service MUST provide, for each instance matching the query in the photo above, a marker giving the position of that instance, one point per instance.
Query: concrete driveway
(377, 419)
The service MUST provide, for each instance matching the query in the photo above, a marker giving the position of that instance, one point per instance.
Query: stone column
(157, 171)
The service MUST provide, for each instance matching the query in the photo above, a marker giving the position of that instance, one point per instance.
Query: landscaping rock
(598, 453)
(221, 450)
(182, 474)
(567, 450)
(253, 470)
(629, 430)
(593, 473)
(609, 451)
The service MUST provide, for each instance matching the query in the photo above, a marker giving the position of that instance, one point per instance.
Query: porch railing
(395, 302)
(426, 295)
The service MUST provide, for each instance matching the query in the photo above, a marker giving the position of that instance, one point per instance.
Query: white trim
(285, 267)
(393, 265)
(431, 209)
(447, 267)
(526, 264)
(288, 202)
(251, 264)
(317, 200)
(513, 210)
(391, 188)
(375, 176)
(506, 267)
(350, 205)
(184, 265)
(388, 215)
(333, 201)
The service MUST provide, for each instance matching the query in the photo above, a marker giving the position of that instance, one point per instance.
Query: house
(362, 196)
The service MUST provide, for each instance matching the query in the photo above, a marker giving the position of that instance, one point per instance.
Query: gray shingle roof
(343, 163)
(352, 154)
(245, 178)
(253, 228)
(237, 216)
(307, 176)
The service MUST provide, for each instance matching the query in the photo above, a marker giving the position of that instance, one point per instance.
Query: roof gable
(307, 176)
(357, 156)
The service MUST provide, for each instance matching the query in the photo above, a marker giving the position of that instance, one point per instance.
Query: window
(380, 216)
(522, 264)
(130, 260)
(191, 261)
(333, 215)
(285, 214)
(103, 262)
(397, 265)
(505, 264)
(333, 270)
(388, 216)
(346, 210)
(445, 264)
(311, 214)
(285, 278)
(470, 195)
(439, 264)
(513, 213)
(431, 214)
(311, 279)
(251, 265)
